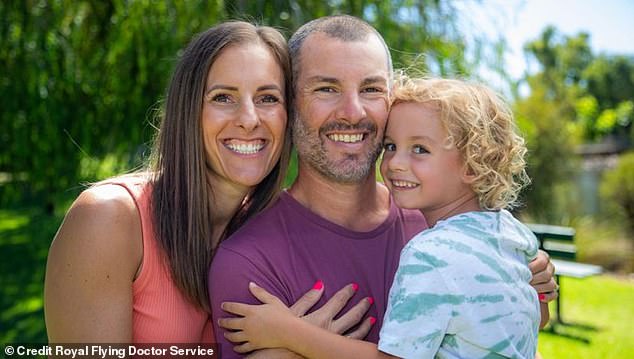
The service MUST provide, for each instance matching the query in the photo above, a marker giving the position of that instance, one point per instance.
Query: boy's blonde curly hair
(480, 125)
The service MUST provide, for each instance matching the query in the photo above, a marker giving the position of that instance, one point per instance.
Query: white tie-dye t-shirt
(462, 291)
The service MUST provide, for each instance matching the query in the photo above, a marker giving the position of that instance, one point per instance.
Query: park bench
(558, 242)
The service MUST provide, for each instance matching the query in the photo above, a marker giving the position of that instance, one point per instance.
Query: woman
(129, 263)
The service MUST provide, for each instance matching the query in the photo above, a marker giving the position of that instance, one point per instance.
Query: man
(336, 223)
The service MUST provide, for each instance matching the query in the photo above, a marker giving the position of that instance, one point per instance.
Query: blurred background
(82, 83)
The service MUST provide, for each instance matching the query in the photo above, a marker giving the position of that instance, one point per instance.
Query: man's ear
(468, 176)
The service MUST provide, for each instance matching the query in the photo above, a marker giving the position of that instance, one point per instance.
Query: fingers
(549, 286)
(262, 295)
(540, 263)
(362, 331)
(235, 337)
(240, 309)
(548, 296)
(244, 348)
(543, 272)
(334, 305)
(541, 278)
(231, 323)
(308, 300)
(352, 317)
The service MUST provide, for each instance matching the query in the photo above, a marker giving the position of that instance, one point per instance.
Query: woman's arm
(91, 265)
(543, 280)
(545, 315)
(272, 325)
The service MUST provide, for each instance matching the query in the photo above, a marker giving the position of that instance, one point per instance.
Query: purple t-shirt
(286, 248)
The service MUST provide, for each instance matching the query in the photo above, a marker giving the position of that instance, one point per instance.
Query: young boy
(462, 287)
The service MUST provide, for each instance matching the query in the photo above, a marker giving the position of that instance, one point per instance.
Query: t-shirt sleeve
(229, 277)
(420, 305)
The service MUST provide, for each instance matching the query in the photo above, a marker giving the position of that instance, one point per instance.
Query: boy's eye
(418, 149)
(389, 147)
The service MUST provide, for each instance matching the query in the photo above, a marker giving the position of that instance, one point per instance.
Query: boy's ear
(468, 176)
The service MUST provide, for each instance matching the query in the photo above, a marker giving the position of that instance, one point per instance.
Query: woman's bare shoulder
(95, 256)
(103, 219)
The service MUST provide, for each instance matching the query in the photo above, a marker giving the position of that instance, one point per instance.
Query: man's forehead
(321, 52)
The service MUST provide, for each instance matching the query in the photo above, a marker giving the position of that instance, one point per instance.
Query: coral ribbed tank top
(161, 314)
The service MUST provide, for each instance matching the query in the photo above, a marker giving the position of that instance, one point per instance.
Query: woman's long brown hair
(182, 200)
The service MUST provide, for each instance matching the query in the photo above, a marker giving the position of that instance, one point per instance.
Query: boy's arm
(272, 325)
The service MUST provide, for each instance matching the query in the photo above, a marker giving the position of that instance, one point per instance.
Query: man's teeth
(405, 184)
(347, 138)
(245, 148)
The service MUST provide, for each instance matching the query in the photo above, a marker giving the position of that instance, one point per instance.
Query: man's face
(341, 106)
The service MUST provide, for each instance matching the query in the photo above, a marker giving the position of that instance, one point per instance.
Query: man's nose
(351, 108)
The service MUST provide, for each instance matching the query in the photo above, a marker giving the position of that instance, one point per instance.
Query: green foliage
(572, 100)
(84, 80)
(550, 161)
(601, 87)
(617, 188)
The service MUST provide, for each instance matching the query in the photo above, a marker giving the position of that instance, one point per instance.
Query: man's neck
(359, 207)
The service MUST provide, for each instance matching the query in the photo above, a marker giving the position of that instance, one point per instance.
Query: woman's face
(244, 115)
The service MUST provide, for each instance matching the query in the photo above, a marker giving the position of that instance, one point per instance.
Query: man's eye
(325, 89)
(389, 147)
(373, 90)
(418, 149)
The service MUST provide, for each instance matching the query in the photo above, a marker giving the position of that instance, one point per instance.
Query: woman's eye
(269, 99)
(222, 98)
(418, 149)
(389, 147)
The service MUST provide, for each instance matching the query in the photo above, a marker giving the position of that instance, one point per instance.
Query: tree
(575, 97)
(83, 80)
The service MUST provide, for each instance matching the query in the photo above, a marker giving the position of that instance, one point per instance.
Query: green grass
(604, 303)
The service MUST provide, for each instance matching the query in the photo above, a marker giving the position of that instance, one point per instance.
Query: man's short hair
(342, 27)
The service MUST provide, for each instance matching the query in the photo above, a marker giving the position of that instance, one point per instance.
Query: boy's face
(419, 166)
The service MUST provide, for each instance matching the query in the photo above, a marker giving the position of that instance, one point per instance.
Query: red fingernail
(318, 285)
(542, 296)
(372, 320)
(355, 286)
(370, 300)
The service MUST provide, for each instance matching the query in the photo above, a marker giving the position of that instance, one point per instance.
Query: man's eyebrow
(373, 80)
(313, 79)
